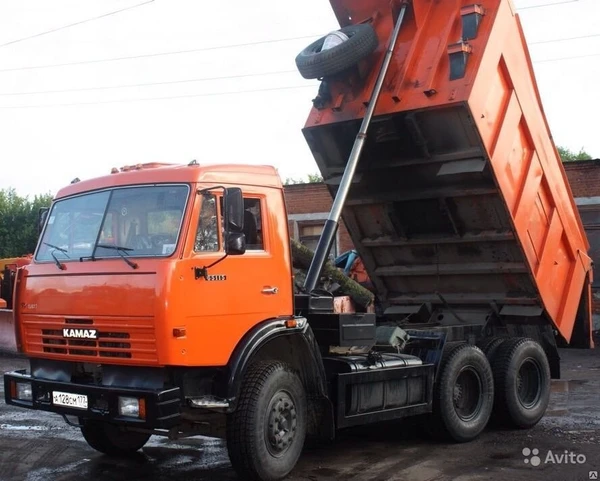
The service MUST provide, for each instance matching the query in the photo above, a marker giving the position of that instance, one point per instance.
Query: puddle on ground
(11, 427)
(320, 471)
(566, 385)
(555, 413)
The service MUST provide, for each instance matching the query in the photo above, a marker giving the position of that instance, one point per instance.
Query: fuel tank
(388, 387)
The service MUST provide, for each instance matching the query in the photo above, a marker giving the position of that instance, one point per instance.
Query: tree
(19, 222)
(311, 179)
(567, 155)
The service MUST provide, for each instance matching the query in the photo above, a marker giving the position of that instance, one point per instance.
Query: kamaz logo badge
(80, 333)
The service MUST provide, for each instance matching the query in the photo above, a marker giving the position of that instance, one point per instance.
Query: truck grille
(127, 340)
(55, 343)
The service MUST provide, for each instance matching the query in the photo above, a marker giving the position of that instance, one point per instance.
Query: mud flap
(582, 336)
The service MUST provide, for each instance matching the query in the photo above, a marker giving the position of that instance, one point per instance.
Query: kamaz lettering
(80, 333)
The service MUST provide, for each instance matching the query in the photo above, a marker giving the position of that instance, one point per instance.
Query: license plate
(78, 401)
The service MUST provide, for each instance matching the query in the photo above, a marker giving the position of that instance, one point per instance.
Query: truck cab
(127, 256)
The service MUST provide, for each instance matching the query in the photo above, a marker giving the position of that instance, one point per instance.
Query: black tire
(109, 439)
(463, 395)
(522, 383)
(266, 433)
(490, 346)
(313, 63)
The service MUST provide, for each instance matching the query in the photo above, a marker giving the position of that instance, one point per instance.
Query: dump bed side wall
(510, 118)
(460, 197)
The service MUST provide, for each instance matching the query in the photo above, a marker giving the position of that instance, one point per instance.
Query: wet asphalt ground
(36, 446)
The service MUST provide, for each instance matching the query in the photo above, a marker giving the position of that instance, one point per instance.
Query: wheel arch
(272, 340)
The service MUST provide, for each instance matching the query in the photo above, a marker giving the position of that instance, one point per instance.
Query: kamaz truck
(160, 298)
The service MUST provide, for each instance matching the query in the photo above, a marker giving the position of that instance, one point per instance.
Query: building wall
(584, 178)
(308, 206)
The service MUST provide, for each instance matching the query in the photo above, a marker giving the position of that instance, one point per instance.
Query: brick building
(308, 206)
(584, 177)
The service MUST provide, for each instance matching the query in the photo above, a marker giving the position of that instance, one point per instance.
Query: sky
(80, 120)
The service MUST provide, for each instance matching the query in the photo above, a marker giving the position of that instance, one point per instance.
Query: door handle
(270, 290)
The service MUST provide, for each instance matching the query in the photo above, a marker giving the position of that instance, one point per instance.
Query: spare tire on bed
(313, 62)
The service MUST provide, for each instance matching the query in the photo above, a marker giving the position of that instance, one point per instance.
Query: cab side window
(207, 235)
(253, 226)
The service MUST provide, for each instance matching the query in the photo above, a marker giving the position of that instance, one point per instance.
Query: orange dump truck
(160, 297)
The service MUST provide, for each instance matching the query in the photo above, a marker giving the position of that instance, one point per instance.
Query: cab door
(225, 296)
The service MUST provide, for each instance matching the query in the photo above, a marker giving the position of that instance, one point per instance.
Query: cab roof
(161, 173)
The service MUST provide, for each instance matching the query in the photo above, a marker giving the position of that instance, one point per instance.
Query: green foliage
(164, 222)
(19, 222)
(310, 179)
(569, 156)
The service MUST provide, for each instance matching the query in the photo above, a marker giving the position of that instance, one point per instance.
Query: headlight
(24, 392)
(131, 407)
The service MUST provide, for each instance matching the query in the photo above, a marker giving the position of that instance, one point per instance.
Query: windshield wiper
(59, 264)
(60, 249)
(122, 251)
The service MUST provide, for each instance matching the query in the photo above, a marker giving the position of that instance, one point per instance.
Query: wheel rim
(280, 429)
(317, 46)
(467, 396)
(529, 382)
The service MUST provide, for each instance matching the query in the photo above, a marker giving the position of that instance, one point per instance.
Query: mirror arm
(203, 271)
(208, 189)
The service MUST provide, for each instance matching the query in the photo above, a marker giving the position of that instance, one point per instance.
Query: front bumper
(163, 407)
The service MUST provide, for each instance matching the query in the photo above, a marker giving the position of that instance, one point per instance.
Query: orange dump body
(12, 264)
(460, 197)
(15, 262)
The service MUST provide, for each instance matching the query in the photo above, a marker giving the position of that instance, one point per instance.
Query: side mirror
(233, 216)
(235, 243)
(42, 214)
(233, 205)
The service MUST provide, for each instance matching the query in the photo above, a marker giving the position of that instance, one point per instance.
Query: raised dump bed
(460, 198)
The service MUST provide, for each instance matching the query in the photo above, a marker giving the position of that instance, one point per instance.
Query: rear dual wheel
(507, 379)
(522, 383)
(490, 345)
(463, 394)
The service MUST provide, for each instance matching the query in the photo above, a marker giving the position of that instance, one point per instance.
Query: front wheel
(109, 439)
(266, 433)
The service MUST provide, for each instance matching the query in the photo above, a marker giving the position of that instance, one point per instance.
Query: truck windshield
(143, 221)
